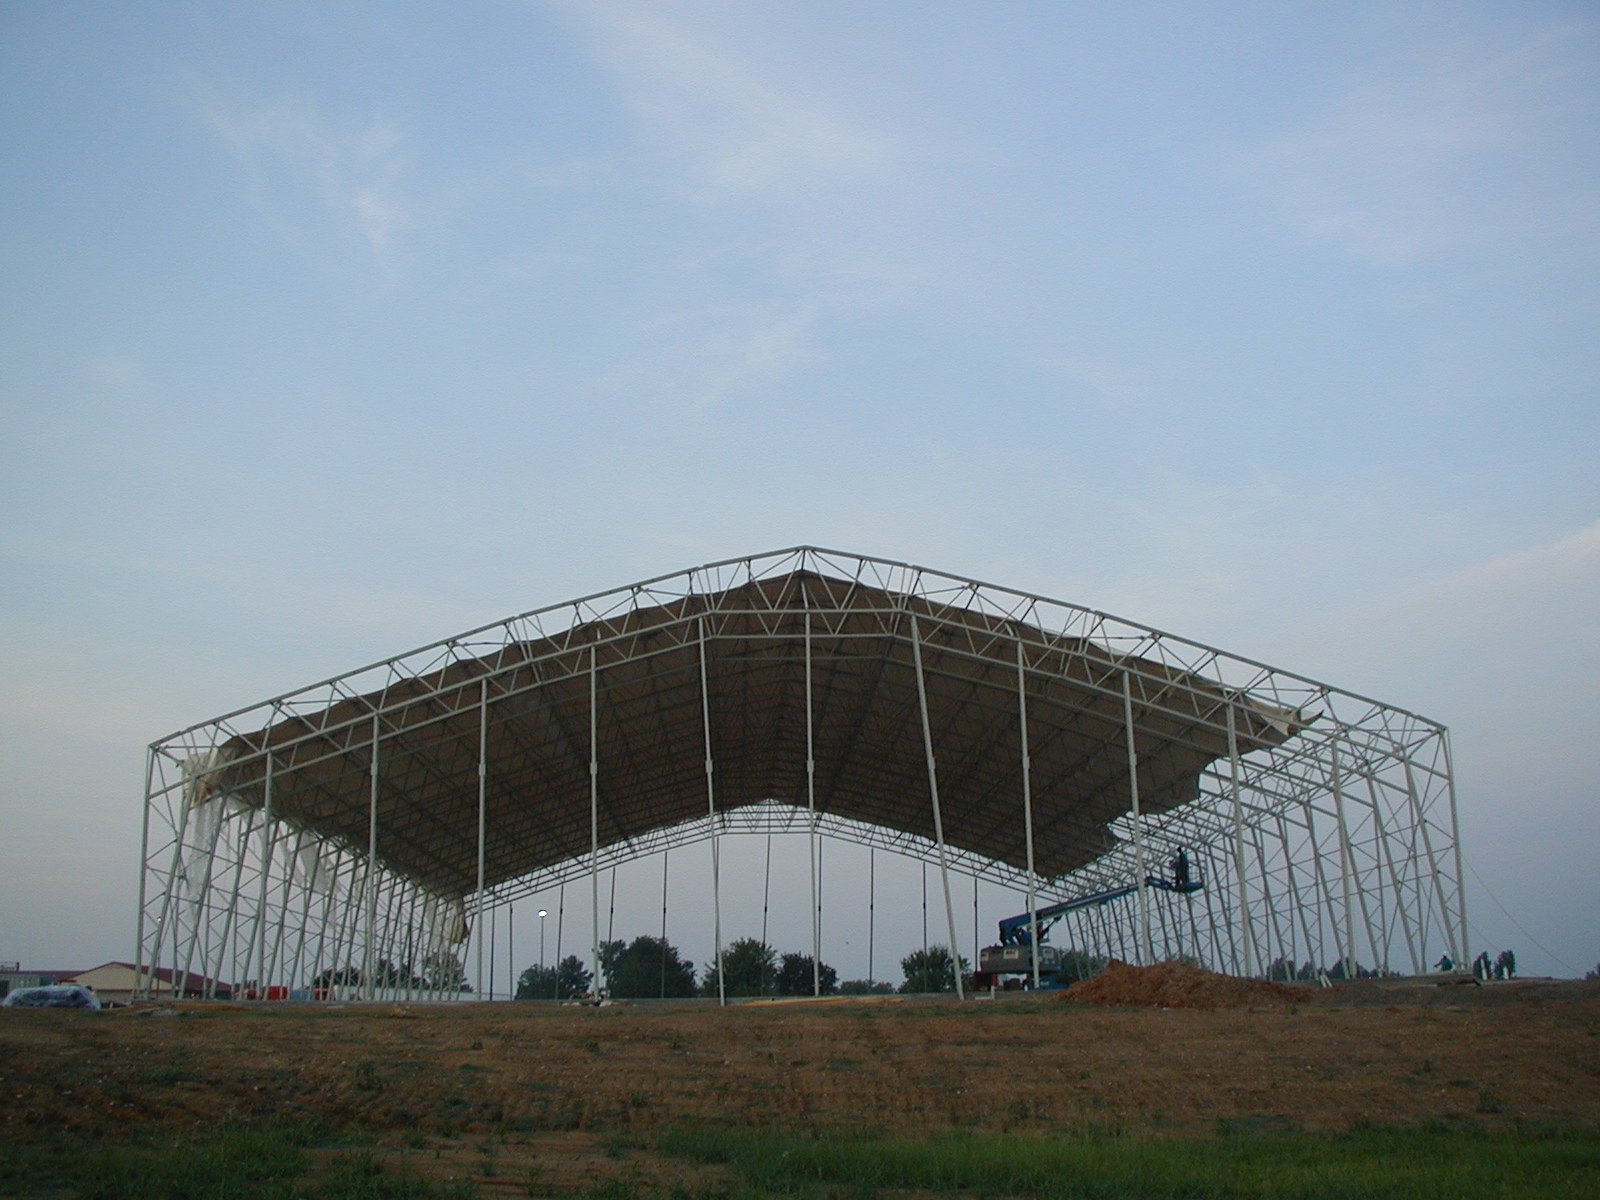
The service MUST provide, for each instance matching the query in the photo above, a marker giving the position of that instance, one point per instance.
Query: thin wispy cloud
(743, 133)
(352, 170)
(800, 185)
(1422, 155)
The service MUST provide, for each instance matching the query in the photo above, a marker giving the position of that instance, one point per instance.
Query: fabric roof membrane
(869, 753)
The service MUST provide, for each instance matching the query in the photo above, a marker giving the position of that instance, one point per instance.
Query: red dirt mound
(1178, 985)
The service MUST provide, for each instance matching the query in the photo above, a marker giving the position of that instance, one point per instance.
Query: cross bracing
(365, 819)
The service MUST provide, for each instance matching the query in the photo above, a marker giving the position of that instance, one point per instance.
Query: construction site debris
(1179, 985)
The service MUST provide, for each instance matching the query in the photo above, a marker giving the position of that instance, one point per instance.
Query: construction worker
(1180, 868)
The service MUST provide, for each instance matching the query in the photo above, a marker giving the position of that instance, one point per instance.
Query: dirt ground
(572, 1094)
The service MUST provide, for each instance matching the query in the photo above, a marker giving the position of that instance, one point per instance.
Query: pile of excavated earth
(1179, 985)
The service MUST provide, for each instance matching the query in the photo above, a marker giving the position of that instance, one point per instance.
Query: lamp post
(543, 913)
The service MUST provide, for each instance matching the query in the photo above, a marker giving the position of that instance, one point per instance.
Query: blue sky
(326, 330)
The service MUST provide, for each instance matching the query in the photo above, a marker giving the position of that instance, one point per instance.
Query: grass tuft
(234, 1164)
(1368, 1164)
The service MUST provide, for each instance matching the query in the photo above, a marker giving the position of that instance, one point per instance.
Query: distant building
(12, 977)
(114, 983)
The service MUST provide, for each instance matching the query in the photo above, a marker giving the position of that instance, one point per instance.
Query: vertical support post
(1346, 866)
(1027, 813)
(1434, 874)
(664, 860)
(139, 986)
(1246, 931)
(1138, 819)
(938, 815)
(184, 805)
(766, 897)
(483, 797)
(202, 918)
(1294, 894)
(1270, 906)
(372, 867)
(594, 808)
(1396, 885)
(211, 968)
(267, 839)
(711, 817)
(325, 918)
(1455, 836)
(872, 908)
(307, 889)
(977, 950)
(811, 814)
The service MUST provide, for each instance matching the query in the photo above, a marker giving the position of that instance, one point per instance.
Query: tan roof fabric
(869, 753)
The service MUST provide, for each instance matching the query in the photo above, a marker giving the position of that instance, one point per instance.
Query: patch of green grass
(1371, 1164)
(234, 1164)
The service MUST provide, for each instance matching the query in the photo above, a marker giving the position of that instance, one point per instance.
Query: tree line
(649, 967)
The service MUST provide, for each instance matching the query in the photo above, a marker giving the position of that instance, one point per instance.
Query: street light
(543, 913)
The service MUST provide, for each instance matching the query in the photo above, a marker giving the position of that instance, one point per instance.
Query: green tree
(563, 981)
(573, 978)
(795, 976)
(537, 983)
(748, 968)
(644, 968)
(931, 970)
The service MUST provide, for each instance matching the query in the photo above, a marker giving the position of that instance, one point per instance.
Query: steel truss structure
(353, 835)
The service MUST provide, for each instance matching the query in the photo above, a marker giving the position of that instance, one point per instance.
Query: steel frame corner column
(711, 818)
(370, 879)
(811, 811)
(1145, 954)
(1242, 898)
(938, 816)
(483, 785)
(594, 814)
(1027, 818)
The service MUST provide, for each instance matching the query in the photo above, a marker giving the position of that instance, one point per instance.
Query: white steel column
(872, 907)
(167, 896)
(483, 787)
(938, 816)
(711, 817)
(594, 809)
(811, 811)
(1346, 867)
(139, 985)
(1138, 820)
(372, 866)
(1246, 933)
(1027, 816)
(1455, 836)
(267, 839)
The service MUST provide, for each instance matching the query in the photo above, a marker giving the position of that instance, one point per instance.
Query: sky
(327, 330)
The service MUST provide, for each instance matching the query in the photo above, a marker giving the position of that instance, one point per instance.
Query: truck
(1015, 952)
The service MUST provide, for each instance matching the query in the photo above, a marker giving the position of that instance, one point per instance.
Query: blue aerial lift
(1015, 952)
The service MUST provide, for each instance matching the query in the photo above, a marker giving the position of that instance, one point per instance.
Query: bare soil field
(497, 1091)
